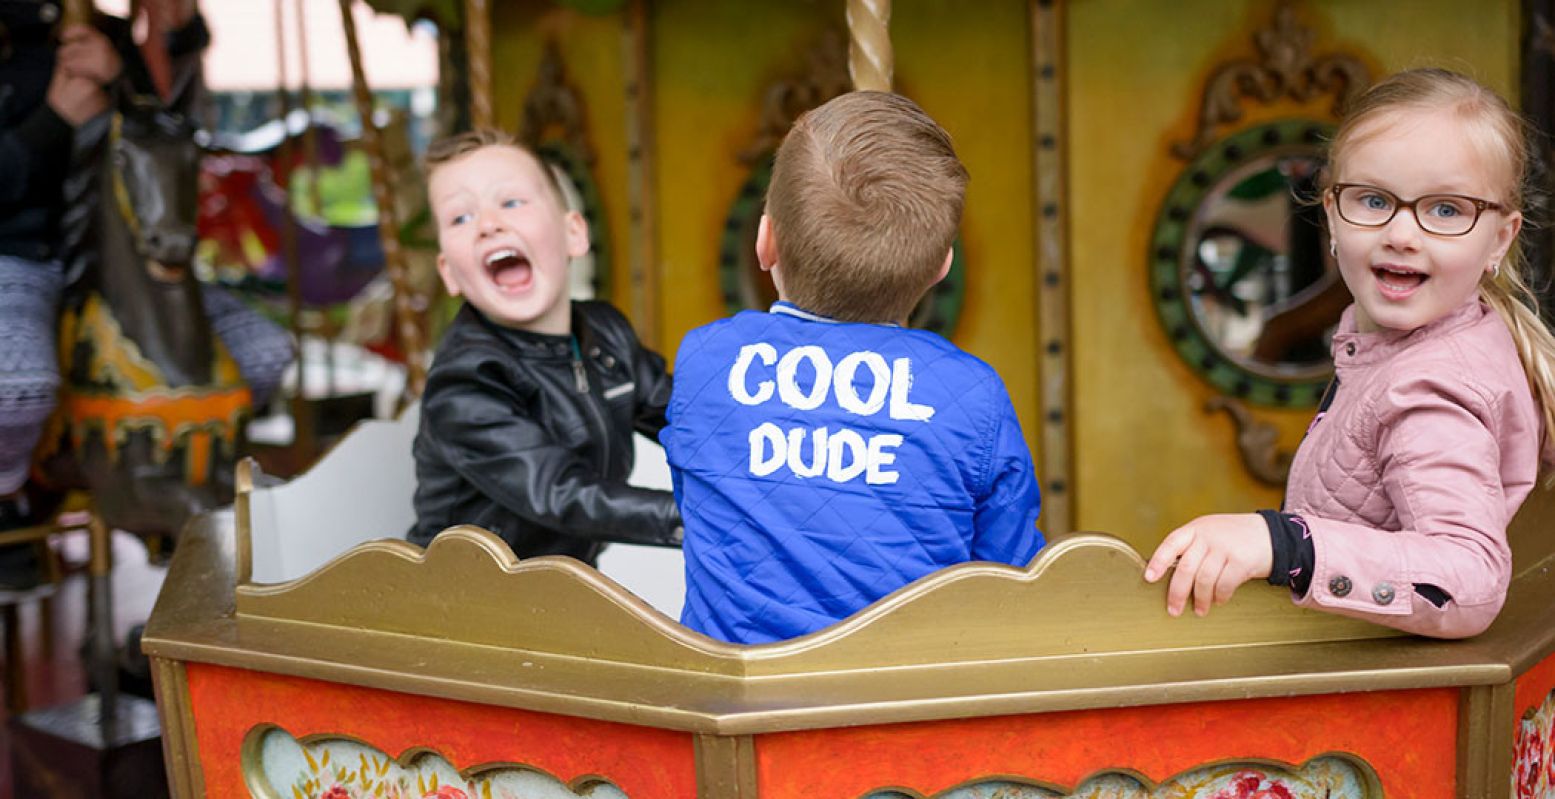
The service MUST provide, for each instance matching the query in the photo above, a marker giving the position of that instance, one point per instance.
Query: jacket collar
(1351, 347)
(787, 308)
(532, 345)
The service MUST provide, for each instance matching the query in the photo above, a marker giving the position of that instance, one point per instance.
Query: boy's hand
(1214, 555)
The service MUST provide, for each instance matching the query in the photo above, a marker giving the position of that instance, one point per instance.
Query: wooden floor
(57, 677)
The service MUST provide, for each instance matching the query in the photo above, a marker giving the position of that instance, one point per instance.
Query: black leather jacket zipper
(580, 377)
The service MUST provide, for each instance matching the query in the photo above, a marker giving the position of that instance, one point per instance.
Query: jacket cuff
(1359, 573)
(1291, 544)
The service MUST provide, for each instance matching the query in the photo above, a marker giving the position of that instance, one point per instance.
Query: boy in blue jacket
(825, 455)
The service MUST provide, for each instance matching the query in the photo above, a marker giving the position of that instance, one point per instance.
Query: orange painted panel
(644, 762)
(1534, 685)
(1408, 737)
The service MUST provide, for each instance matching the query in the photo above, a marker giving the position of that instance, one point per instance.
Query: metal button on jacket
(1349, 349)
(1383, 593)
(1339, 586)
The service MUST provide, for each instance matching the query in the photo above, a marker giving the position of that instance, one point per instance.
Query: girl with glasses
(1443, 401)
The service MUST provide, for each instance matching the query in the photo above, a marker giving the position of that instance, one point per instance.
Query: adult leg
(29, 388)
(261, 347)
(29, 361)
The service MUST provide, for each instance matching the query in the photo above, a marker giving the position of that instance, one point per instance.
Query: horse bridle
(126, 207)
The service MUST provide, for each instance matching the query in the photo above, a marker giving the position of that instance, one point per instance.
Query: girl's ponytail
(1509, 294)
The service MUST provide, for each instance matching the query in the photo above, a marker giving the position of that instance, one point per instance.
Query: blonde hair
(865, 202)
(457, 145)
(1501, 136)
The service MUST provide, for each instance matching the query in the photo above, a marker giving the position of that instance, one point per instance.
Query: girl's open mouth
(509, 269)
(1397, 283)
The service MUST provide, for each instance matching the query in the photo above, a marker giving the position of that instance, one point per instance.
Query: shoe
(19, 566)
(16, 512)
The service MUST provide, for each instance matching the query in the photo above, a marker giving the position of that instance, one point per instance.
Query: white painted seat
(361, 490)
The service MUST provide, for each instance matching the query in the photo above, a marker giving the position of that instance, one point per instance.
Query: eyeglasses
(1443, 214)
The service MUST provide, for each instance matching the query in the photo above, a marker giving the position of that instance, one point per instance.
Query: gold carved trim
(1371, 784)
(180, 746)
(1285, 68)
(1487, 729)
(553, 103)
(1049, 109)
(243, 506)
(475, 582)
(826, 76)
(977, 640)
(726, 766)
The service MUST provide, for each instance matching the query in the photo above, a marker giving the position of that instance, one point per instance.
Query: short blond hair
(865, 202)
(457, 145)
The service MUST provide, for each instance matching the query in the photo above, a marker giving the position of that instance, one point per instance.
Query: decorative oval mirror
(1239, 267)
(745, 285)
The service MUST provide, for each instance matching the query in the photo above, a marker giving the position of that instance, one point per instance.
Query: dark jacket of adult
(530, 436)
(35, 143)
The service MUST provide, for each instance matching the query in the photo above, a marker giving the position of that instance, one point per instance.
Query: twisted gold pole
(77, 12)
(407, 322)
(870, 60)
(477, 44)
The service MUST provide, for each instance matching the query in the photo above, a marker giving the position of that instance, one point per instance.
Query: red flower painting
(1252, 785)
(1533, 764)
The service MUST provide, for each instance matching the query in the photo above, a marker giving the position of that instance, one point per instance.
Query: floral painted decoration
(1533, 764)
(336, 768)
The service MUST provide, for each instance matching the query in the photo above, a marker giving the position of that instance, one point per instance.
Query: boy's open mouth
(1397, 281)
(509, 269)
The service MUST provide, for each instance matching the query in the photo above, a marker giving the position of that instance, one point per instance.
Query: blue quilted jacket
(821, 465)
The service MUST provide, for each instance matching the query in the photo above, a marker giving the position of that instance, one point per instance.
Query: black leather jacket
(530, 437)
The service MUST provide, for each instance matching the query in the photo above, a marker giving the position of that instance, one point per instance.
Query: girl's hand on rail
(1213, 555)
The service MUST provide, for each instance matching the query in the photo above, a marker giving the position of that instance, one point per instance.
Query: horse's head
(154, 165)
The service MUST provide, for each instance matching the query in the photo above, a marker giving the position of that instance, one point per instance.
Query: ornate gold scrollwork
(1286, 68)
(554, 126)
(826, 77)
(552, 103)
(1257, 441)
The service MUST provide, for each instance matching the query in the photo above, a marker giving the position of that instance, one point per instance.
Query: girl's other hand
(1214, 555)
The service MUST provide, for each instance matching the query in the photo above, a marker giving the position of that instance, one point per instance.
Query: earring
(1495, 267)
(1333, 248)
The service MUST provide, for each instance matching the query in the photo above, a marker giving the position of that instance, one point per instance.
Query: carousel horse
(152, 404)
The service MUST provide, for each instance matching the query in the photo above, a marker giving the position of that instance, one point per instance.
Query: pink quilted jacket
(1429, 446)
